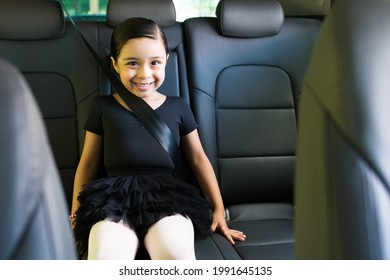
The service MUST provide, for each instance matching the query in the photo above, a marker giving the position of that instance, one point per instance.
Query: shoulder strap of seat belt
(156, 126)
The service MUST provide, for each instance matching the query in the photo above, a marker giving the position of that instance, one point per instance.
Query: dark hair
(133, 28)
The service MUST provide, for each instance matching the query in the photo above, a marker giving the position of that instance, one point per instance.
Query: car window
(97, 8)
(194, 8)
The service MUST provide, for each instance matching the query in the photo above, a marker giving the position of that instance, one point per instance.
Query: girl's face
(141, 66)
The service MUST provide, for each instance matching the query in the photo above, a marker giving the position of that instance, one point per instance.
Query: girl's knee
(110, 241)
(171, 238)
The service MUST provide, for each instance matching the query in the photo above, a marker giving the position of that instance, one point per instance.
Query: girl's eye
(132, 63)
(156, 62)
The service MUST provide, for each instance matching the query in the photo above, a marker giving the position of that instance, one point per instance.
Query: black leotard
(141, 186)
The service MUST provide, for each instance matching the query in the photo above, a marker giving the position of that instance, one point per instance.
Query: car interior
(343, 169)
(290, 99)
(32, 199)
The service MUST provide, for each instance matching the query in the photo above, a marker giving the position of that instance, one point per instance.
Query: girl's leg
(112, 241)
(172, 238)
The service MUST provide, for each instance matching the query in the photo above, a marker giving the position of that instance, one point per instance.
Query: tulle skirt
(140, 201)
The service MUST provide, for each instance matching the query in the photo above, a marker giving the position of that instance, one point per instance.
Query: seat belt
(149, 118)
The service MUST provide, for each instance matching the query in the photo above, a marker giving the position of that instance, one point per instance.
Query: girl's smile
(142, 86)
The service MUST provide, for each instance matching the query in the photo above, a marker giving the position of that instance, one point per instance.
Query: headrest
(161, 12)
(305, 7)
(31, 20)
(249, 18)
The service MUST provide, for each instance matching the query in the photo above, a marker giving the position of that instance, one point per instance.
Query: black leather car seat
(246, 71)
(343, 166)
(33, 208)
(63, 76)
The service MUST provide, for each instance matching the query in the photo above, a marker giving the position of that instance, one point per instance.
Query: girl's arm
(88, 166)
(205, 175)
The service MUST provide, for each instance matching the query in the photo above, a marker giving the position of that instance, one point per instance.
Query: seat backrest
(306, 8)
(163, 13)
(33, 208)
(245, 88)
(343, 166)
(59, 69)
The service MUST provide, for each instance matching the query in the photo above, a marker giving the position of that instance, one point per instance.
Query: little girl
(142, 200)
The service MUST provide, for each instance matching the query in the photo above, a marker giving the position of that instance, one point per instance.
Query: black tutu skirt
(140, 201)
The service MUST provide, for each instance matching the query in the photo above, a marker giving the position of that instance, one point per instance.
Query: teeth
(142, 84)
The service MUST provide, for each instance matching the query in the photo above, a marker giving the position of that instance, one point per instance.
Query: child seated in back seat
(142, 199)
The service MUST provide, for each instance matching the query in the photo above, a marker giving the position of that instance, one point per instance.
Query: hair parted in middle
(134, 28)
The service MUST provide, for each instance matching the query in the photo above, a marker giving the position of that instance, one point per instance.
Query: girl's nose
(144, 72)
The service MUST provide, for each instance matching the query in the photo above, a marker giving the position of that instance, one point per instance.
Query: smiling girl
(142, 200)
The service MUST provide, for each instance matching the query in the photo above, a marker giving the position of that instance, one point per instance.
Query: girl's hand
(219, 223)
